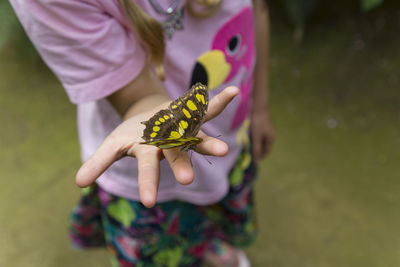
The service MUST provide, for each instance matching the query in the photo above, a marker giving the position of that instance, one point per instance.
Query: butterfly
(177, 126)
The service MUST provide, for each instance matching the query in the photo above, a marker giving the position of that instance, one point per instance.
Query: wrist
(147, 103)
(260, 98)
(260, 107)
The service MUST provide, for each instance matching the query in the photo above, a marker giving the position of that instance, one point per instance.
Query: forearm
(142, 94)
(260, 91)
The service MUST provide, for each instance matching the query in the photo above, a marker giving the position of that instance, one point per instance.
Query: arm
(136, 102)
(262, 131)
(145, 91)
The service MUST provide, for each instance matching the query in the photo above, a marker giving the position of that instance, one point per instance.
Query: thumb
(100, 161)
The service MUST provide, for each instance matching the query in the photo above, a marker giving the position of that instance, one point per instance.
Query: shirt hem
(172, 194)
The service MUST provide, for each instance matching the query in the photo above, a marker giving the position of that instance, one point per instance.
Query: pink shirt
(88, 45)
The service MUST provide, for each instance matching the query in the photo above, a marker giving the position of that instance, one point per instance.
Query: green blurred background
(328, 195)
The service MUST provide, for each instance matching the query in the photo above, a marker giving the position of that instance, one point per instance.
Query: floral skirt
(172, 233)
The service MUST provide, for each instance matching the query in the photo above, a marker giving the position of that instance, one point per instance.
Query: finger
(268, 138)
(220, 101)
(102, 159)
(148, 176)
(256, 145)
(180, 164)
(268, 145)
(264, 147)
(211, 146)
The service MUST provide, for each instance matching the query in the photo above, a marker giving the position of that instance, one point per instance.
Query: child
(121, 62)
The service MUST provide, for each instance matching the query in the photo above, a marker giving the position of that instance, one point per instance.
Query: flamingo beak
(211, 69)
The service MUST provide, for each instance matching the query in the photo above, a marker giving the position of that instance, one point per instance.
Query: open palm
(125, 141)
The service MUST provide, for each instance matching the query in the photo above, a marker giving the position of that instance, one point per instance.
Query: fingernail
(221, 148)
(234, 90)
(186, 176)
(148, 199)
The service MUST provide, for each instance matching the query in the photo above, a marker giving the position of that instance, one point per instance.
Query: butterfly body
(178, 125)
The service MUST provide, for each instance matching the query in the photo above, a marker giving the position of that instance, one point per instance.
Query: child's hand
(125, 141)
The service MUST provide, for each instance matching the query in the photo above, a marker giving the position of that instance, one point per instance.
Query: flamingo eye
(234, 44)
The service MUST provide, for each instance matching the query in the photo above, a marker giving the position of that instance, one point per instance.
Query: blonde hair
(150, 31)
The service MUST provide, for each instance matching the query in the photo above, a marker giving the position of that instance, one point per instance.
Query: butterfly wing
(183, 143)
(163, 131)
(159, 126)
(178, 125)
(190, 109)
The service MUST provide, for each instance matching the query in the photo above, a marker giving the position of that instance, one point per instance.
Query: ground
(327, 196)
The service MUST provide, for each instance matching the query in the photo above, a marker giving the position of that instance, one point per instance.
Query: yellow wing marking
(200, 98)
(187, 114)
(183, 124)
(175, 134)
(191, 105)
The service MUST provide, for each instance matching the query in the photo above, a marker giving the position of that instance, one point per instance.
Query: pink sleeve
(91, 52)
